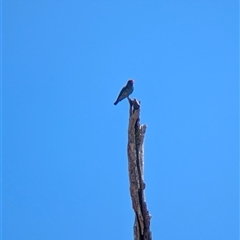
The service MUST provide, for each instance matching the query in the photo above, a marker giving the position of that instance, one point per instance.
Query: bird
(125, 92)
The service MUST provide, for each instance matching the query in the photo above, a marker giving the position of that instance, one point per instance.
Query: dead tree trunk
(135, 151)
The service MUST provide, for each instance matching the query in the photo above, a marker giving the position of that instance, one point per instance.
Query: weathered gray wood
(135, 151)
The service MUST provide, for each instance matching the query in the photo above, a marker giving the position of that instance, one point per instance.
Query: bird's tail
(116, 103)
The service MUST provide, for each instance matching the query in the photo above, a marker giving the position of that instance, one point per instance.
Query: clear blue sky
(64, 161)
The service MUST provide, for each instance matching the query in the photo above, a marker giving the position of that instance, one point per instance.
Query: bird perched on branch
(125, 92)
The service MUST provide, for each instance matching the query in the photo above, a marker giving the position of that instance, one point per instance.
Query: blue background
(64, 160)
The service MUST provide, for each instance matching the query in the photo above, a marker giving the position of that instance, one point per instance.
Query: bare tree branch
(135, 150)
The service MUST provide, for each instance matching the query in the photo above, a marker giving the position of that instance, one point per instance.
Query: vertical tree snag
(135, 151)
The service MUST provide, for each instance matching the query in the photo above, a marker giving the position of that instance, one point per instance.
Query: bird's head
(130, 82)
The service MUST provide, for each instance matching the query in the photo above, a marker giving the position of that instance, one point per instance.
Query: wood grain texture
(135, 150)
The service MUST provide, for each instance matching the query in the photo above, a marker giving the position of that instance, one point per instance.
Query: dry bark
(135, 151)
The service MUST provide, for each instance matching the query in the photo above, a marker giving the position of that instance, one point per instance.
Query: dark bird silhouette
(125, 92)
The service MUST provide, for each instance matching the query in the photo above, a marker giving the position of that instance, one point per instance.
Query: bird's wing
(122, 94)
